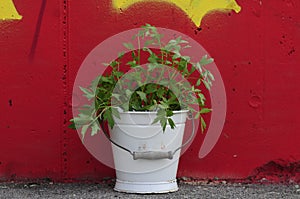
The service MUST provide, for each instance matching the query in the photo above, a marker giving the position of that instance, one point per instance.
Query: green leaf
(205, 110)
(163, 105)
(87, 93)
(107, 79)
(201, 99)
(152, 66)
(198, 82)
(117, 74)
(161, 113)
(169, 113)
(142, 95)
(210, 76)
(115, 112)
(72, 125)
(163, 123)
(176, 55)
(108, 116)
(207, 84)
(199, 67)
(114, 63)
(183, 41)
(203, 124)
(187, 46)
(128, 46)
(153, 58)
(186, 58)
(171, 123)
(86, 110)
(160, 92)
(168, 62)
(128, 93)
(95, 82)
(116, 96)
(205, 60)
(197, 115)
(149, 42)
(132, 64)
(121, 55)
(95, 128)
(148, 50)
(83, 130)
(155, 120)
(82, 119)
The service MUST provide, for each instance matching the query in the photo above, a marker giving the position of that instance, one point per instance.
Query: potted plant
(143, 100)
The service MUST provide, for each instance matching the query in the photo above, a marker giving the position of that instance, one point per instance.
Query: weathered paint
(195, 9)
(37, 30)
(32, 143)
(256, 51)
(8, 11)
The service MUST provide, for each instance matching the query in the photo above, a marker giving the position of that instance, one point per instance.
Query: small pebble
(264, 179)
(185, 179)
(33, 185)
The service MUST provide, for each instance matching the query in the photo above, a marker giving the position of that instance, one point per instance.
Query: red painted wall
(256, 51)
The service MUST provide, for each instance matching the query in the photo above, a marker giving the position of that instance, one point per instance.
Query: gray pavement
(198, 190)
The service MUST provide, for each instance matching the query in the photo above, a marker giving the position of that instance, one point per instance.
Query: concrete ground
(200, 190)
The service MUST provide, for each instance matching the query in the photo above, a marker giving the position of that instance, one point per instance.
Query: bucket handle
(153, 155)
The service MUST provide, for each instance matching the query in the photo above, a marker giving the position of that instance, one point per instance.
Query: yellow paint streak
(8, 11)
(195, 9)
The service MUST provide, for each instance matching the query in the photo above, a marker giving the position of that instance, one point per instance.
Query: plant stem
(139, 50)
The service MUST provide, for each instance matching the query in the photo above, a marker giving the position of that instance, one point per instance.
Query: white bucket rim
(148, 112)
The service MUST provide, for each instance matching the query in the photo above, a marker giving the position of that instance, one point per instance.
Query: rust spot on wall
(255, 101)
(283, 171)
(10, 102)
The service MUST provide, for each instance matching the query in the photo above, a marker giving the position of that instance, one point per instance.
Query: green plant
(158, 78)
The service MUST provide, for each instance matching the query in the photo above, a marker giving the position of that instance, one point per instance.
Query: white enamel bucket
(135, 132)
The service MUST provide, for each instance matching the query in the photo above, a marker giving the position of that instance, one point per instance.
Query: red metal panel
(255, 51)
(31, 95)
